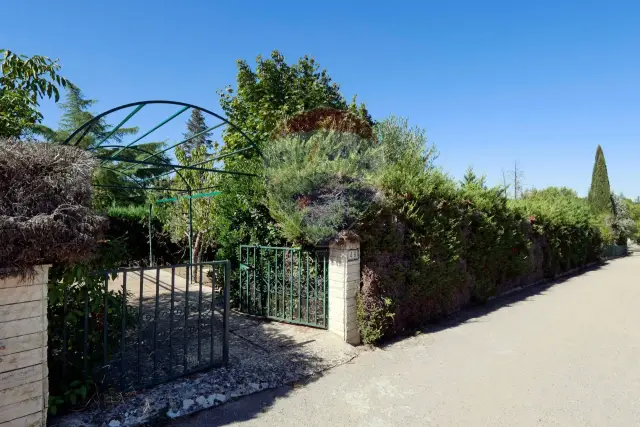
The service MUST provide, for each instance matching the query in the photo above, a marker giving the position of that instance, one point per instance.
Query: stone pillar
(344, 284)
(24, 385)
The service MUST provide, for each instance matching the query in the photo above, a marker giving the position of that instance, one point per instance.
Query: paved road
(566, 355)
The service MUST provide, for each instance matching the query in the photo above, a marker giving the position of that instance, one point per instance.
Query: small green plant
(74, 393)
(72, 290)
(373, 320)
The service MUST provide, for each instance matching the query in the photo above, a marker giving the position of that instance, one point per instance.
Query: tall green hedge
(430, 252)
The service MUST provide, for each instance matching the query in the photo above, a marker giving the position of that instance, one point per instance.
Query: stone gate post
(344, 285)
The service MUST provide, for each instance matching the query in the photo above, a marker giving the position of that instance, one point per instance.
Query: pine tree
(196, 125)
(112, 187)
(600, 191)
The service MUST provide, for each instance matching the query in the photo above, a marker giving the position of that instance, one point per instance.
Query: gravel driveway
(564, 355)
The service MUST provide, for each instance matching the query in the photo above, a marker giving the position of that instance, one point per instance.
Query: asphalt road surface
(564, 355)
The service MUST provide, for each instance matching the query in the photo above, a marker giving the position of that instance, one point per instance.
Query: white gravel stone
(173, 414)
(219, 397)
(187, 403)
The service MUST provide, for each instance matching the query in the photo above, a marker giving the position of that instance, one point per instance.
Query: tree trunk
(196, 256)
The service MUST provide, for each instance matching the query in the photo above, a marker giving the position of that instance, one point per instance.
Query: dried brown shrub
(327, 119)
(45, 198)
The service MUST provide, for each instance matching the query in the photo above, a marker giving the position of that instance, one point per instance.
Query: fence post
(24, 384)
(344, 284)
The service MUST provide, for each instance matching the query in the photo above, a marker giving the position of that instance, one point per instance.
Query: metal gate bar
(284, 284)
(126, 341)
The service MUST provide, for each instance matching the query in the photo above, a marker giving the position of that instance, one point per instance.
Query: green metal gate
(285, 284)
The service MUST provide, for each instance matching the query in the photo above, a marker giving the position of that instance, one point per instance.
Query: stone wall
(24, 387)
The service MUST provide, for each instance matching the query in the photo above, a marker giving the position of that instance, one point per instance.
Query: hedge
(131, 224)
(427, 254)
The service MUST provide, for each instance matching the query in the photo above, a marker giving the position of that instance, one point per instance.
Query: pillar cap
(344, 237)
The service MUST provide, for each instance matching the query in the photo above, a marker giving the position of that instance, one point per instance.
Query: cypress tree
(196, 125)
(600, 190)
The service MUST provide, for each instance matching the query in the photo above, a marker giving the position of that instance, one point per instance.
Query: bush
(433, 246)
(45, 195)
(131, 225)
(68, 288)
(620, 222)
(565, 226)
(319, 181)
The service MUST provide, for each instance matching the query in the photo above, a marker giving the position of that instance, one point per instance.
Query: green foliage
(74, 287)
(621, 224)
(634, 211)
(197, 126)
(407, 156)
(433, 246)
(373, 318)
(565, 224)
(176, 214)
(319, 183)
(273, 92)
(130, 226)
(495, 247)
(263, 97)
(600, 191)
(23, 81)
(241, 215)
(112, 186)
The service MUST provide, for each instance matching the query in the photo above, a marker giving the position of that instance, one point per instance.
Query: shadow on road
(270, 357)
(240, 410)
(474, 313)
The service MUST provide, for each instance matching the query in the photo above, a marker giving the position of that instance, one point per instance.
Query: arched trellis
(158, 159)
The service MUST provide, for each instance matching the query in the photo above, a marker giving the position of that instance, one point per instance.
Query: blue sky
(491, 82)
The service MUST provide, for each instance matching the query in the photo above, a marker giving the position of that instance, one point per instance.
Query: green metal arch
(131, 177)
(83, 130)
(152, 155)
(87, 126)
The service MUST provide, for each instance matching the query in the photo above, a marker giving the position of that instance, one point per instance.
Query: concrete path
(565, 355)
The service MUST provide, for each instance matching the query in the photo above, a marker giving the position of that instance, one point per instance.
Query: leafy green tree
(409, 158)
(471, 179)
(176, 215)
(600, 191)
(263, 97)
(197, 126)
(621, 223)
(23, 81)
(75, 113)
(634, 211)
(275, 91)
